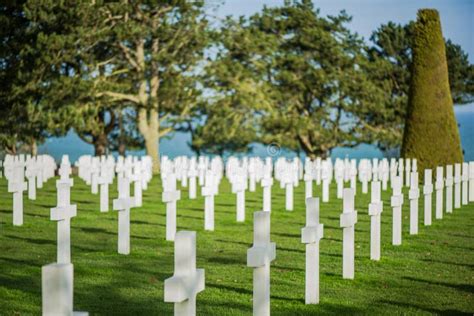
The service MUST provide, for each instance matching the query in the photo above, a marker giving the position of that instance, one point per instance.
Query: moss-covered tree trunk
(431, 132)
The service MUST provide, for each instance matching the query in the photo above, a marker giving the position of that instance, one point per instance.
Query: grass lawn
(431, 273)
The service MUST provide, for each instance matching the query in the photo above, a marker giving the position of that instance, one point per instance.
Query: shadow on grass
(426, 309)
(469, 288)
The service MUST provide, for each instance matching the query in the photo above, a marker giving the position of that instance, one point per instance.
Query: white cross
(287, 181)
(170, 196)
(407, 172)
(31, 174)
(449, 188)
(465, 183)
(16, 185)
(63, 213)
(94, 171)
(400, 170)
(413, 196)
(208, 191)
(308, 179)
(239, 185)
(103, 181)
(428, 192)
(471, 181)
(136, 178)
(339, 175)
(259, 257)
(267, 183)
(348, 219)
(396, 203)
(192, 174)
(439, 186)
(187, 281)
(375, 212)
(311, 235)
(123, 204)
(457, 185)
(326, 178)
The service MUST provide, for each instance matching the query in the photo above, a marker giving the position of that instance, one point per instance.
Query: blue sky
(457, 16)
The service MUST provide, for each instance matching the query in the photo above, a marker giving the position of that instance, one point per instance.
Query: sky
(457, 16)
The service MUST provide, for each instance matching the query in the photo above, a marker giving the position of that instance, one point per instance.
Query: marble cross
(170, 197)
(471, 181)
(103, 182)
(439, 186)
(413, 196)
(259, 257)
(396, 203)
(375, 212)
(267, 182)
(348, 219)
(449, 188)
(16, 185)
(187, 281)
(123, 204)
(63, 213)
(288, 183)
(339, 176)
(400, 170)
(311, 234)
(407, 172)
(457, 185)
(239, 185)
(428, 192)
(465, 183)
(308, 178)
(95, 170)
(326, 178)
(136, 178)
(192, 174)
(31, 173)
(209, 191)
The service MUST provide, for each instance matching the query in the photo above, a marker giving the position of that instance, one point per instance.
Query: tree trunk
(100, 144)
(33, 148)
(148, 126)
(122, 149)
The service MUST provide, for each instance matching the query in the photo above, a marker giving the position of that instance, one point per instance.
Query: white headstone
(428, 192)
(414, 195)
(187, 281)
(239, 186)
(326, 178)
(64, 211)
(170, 197)
(123, 204)
(471, 181)
(348, 219)
(259, 257)
(375, 212)
(396, 203)
(267, 183)
(407, 172)
(449, 188)
(209, 191)
(310, 235)
(465, 183)
(16, 185)
(439, 186)
(457, 185)
(57, 288)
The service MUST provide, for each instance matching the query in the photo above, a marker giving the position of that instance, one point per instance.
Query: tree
(304, 75)
(159, 45)
(431, 133)
(24, 121)
(393, 44)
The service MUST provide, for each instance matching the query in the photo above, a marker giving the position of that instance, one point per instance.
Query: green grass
(431, 273)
